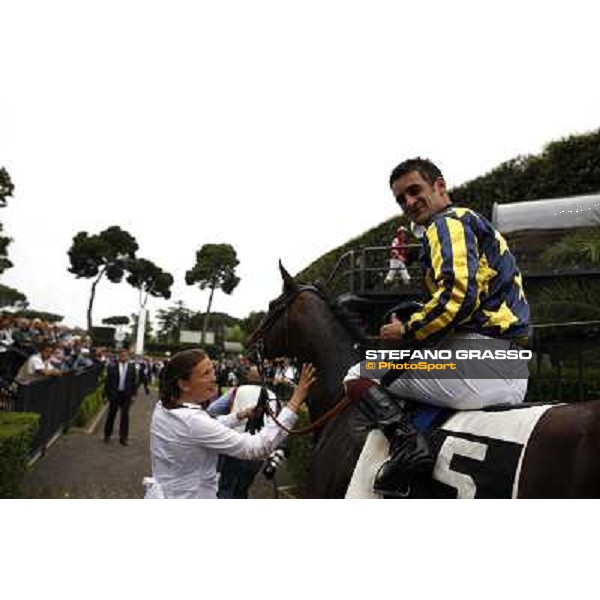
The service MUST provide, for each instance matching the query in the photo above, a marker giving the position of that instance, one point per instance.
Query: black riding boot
(409, 450)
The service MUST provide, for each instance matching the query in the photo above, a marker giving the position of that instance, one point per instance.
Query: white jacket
(185, 444)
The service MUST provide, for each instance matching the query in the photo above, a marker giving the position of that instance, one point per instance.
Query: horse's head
(304, 323)
(300, 318)
(271, 338)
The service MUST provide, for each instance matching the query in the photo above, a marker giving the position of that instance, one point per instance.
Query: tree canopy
(116, 320)
(234, 334)
(149, 279)
(251, 322)
(6, 187)
(109, 252)
(12, 297)
(38, 314)
(214, 269)
(172, 320)
(6, 190)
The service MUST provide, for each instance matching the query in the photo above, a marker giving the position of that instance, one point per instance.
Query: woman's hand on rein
(245, 413)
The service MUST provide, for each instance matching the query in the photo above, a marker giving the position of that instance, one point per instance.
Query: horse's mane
(346, 317)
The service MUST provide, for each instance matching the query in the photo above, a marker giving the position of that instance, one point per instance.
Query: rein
(340, 406)
(257, 341)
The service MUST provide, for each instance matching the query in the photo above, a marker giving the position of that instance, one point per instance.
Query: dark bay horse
(561, 460)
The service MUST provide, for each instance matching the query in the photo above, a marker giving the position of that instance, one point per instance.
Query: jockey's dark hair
(179, 367)
(425, 167)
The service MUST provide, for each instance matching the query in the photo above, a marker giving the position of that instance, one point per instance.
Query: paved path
(81, 465)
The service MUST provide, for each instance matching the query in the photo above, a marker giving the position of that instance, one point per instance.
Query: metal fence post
(580, 373)
(363, 265)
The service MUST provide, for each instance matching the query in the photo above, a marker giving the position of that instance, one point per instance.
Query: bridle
(280, 307)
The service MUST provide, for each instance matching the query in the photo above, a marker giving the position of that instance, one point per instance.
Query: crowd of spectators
(28, 333)
(280, 375)
(43, 349)
(49, 350)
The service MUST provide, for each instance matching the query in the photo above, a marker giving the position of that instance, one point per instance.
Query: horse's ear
(289, 285)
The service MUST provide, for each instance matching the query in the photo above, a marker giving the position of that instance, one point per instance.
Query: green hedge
(566, 167)
(16, 433)
(567, 390)
(91, 405)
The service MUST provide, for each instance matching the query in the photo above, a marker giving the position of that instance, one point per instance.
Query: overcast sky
(272, 126)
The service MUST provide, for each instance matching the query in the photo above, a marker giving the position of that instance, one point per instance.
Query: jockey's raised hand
(307, 378)
(394, 330)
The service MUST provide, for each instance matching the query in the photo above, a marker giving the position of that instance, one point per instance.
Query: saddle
(477, 452)
(424, 417)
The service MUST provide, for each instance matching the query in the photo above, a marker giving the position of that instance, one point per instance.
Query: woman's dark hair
(179, 367)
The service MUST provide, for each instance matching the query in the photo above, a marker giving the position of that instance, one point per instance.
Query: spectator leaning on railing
(6, 330)
(52, 349)
(38, 366)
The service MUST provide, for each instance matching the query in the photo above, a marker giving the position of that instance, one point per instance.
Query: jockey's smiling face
(418, 198)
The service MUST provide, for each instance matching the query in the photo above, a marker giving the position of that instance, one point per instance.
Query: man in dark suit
(120, 387)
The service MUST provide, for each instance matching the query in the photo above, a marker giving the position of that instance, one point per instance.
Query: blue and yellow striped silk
(473, 280)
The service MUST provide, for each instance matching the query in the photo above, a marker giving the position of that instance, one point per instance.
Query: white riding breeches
(460, 391)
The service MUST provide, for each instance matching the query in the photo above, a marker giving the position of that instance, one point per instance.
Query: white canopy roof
(558, 213)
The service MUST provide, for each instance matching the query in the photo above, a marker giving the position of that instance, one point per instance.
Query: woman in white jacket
(185, 441)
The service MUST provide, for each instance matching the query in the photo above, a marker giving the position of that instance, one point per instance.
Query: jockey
(476, 293)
